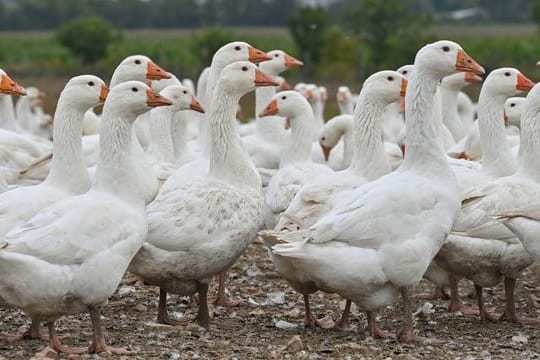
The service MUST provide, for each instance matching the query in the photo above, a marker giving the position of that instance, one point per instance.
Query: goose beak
(195, 105)
(154, 72)
(291, 62)
(472, 77)
(326, 152)
(257, 56)
(153, 99)
(403, 87)
(271, 109)
(402, 105)
(284, 85)
(262, 79)
(103, 93)
(505, 117)
(8, 86)
(523, 83)
(341, 96)
(466, 63)
(308, 94)
(287, 125)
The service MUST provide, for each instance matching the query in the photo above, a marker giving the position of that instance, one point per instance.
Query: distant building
(465, 14)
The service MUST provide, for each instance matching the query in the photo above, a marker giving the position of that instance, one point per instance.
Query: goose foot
(510, 313)
(407, 336)
(343, 323)
(221, 298)
(518, 320)
(311, 321)
(374, 330)
(54, 342)
(98, 338)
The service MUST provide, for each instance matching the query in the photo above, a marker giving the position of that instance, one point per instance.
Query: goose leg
(484, 314)
(510, 313)
(163, 316)
(221, 298)
(406, 333)
(33, 332)
(438, 293)
(374, 329)
(309, 319)
(456, 304)
(203, 318)
(98, 339)
(344, 322)
(54, 342)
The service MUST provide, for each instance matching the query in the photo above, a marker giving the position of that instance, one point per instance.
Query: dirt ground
(270, 325)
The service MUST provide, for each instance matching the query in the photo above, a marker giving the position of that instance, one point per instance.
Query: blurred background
(45, 42)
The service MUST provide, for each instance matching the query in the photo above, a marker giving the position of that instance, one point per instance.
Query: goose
(513, 107)
(72, 255)
(198, 229)
(451, 86)
(265, 145)
(318, 195)
(393, 116)
(91, 123)
(68, 175)
(379, 240)
(24, 113)
(479, 247)
(466, 110)
(315, 98)
(345, 100)
(295, 165)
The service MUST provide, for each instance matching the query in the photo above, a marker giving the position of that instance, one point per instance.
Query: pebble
(285, 325)
(520, 339)
(295, 344)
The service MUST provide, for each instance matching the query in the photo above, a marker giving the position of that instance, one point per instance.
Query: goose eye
(446, 48)
(512, 105)
(90, 83)
(404, 72)
(276, 55)
(134, 89)
(283, 97)
(138, 62)
(244, 68)
(237, 48)
(507, 73)
(185, 91)
(323, 138)
(390, 78)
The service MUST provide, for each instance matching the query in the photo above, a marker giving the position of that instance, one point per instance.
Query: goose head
(189, 84)
(386, 86)
(405, 70)
(8, 86)
(243, 76)
(460, 80)
(343, 95)
(279, 62)
(85, 91)
(300, 87)
(182, 98)
(312, 93)
(138, 67)
(323, 93)
(289, 104)
(513, 107)
(332, 131)
(238, 51)
(444, 58)
(133, 97)
(506, 82)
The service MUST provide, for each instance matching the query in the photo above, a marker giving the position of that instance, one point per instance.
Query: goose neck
(298, 148)
(8, 113)
(270, 128)
(369, 157)
(529, 150)
(450, 114)
(161, 146)
(179, 132)
(68, 168)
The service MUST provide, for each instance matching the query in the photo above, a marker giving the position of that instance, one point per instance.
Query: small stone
(295, 344)
(405, 357)
(275, 298)
(174, 356)
(141, 308)
(520, 339)
(362, 349)
(254, 271)
(126, 290)
(294, 313)
(47, 353)
(285, 325)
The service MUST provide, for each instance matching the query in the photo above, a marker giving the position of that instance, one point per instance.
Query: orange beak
(271, 109)
(262, 79)
(523, 83)
(154, 72)
(505, 117)
(326, 152)
(8, 86)
(341, 96)
(403, 87)
(284, 85)
(257, 56)
(153, 99)
(466, 63)
(103, 94)
(402, 105)
(308, 94)
(195, 105)
(287, 125)
(291, 62)
(472, 78)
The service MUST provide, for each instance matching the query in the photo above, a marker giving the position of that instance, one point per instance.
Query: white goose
(72, 255)
(479, 247)
(319, 195)
(199, 228)
(345, 100)
(380, 240)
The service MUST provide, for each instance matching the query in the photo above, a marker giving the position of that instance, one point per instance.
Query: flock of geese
(411, 180)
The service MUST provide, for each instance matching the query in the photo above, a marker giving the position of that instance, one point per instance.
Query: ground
(129, 320)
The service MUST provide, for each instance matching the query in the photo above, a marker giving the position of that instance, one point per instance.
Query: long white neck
(298, 148)
(161, 146)
(529, 150)
(345, 125)
(228, 159)
(7, 111)
(423, 149)
(23, 111)
(346, 107)
(270, 127)
(116, 172)
(68, 169)
(465, 110)
(318, 122)
(179, 131)
(450, 114)
(369, 159)
(497, 159)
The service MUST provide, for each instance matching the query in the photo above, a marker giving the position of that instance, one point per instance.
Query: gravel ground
(270, 325)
